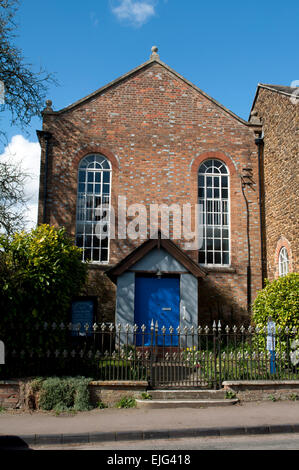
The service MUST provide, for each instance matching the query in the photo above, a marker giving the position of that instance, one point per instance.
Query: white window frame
(210, 203)
(92, 200)
(283, 262)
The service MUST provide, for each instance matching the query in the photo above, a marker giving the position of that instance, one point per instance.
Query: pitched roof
(136, 70)
(283, 90)
(141, 251)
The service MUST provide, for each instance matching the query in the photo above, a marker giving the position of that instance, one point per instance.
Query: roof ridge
(272, 84)
(282, 89)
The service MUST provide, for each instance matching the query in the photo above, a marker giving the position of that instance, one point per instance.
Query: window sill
(102, 267)
(219, 269)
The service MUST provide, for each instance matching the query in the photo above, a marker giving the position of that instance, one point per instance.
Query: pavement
(44, 428)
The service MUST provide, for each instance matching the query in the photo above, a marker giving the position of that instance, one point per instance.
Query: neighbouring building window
(213, 197)
(93, 205)
(283, 262)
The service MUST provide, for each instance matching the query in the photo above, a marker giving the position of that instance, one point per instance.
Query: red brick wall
(9, 394)
(156, 129)
(280, 119)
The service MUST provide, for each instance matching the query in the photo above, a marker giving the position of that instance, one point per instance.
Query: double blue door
(158, 300)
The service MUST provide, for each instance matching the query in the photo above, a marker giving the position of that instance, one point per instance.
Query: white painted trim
(101, 195)
(207, 265)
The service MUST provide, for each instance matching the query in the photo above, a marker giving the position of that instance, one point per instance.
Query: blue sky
(225, 48)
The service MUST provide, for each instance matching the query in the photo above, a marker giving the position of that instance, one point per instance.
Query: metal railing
(176, 357)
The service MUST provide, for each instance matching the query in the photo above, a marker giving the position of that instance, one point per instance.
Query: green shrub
(126, 402)
(82, 399)
(279, 300)
(146, 396)
(64, 394)
(35, 384)
(230, 395)
(40, 272)
(102, 405)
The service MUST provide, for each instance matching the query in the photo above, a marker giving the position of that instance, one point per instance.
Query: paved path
(135, 424)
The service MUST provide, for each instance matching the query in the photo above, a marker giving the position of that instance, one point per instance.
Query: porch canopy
(157, 284)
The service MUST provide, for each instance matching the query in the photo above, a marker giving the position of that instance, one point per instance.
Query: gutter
(243, 185)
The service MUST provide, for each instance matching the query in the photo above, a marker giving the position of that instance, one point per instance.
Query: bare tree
(12, 197)
(22, 94)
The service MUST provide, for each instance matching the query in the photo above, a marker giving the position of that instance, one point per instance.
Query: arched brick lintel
(282, 242)
(99, 151)
(213, 155)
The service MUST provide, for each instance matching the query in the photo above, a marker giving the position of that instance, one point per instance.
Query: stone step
(187, 394)
(152, 404)
(193, 398)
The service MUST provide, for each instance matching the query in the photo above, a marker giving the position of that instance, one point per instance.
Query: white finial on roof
(154, 54)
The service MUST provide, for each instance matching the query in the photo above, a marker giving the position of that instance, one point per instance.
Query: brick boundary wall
(14, 394)
(258, 390)
(111, 393)
(17, 394)
(10, 394)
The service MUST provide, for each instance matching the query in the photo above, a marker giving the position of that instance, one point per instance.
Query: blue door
(158, 300)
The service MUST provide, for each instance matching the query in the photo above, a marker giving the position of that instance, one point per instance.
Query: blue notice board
(83, 311)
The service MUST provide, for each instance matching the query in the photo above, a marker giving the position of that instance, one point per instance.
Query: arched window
(283, 262)
(213, 199)
(93, 203)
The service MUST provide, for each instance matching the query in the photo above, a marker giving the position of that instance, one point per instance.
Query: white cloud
(136, 12)
(26, 155)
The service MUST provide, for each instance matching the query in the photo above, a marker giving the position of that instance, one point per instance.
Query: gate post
(2, 353)
(219, 354)
(152, 375)
(215, 354)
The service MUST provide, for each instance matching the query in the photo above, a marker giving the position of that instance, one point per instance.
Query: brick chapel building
(152, 138)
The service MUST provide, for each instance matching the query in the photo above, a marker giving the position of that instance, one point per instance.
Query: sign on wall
(83, 313)
(271, 343)
(270, 335)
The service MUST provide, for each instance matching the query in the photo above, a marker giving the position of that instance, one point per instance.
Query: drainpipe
(260, 142)
(47, 137)
(243, 185)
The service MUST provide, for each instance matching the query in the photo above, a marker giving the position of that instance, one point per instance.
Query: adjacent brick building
(276, 107)
(152, 137)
